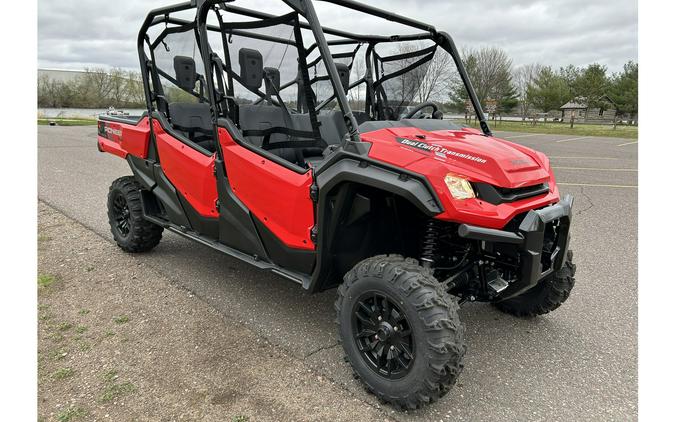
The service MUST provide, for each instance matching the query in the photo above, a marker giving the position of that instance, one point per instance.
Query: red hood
(471, 155)
(476, 157)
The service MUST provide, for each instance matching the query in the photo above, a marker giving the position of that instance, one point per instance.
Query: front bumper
(536, 261)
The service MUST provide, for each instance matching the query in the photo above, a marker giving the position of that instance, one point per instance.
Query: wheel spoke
(396, 316)
(404, 365)
(381, 355)
(405, 349)
(386, 310)
(367, 347)
(366, 321)
(365, 333)
(404, 333)
(389, 363)
(366, 308)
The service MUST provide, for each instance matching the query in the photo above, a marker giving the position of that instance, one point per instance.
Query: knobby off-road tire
(430, 315)
(546, 296)
(130, 230)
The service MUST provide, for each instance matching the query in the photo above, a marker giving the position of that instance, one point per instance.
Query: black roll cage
(150, 72)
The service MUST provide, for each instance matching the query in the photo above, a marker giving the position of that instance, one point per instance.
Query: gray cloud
(74, 34)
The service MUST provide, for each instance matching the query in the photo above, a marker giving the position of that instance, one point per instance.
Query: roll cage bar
(219, 94)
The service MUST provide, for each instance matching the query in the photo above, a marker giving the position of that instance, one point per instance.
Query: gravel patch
(118, 341)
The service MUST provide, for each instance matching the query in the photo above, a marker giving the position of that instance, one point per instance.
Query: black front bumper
(536, 262)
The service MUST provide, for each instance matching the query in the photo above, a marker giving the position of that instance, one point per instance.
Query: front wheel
(546, 296)
(400, 331)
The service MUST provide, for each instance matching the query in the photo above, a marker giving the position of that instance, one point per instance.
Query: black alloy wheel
(131, 231)
(120, 212)
(383, 335)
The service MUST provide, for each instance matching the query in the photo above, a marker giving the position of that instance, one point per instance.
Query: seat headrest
(343, 72)
(186, 72)
(251, 64)
(272, 75)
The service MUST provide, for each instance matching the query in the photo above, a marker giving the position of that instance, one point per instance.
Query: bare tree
(437, 78)
(47, 92)
(523, 79)
(118, 87)
(134, 89)
(429, 80)
(357, 94)
(97, 85)
(489, 69)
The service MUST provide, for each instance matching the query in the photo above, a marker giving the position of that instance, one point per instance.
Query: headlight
(460, 188)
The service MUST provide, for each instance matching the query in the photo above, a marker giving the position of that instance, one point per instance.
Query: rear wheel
(400, 331)
(546, 296)
(130, 230)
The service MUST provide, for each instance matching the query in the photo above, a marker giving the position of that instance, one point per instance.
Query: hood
(464, 152)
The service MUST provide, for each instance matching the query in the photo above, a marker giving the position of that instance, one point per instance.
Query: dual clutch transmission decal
(439, 150)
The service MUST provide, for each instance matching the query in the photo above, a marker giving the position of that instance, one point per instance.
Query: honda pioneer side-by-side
(314, 153)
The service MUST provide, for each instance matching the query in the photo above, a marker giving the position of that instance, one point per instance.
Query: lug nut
(379, 318)
(376, 337)
(391, 347)
(395, 328)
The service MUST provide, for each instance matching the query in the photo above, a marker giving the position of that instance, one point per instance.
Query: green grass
(67, 122)
(63, 373)
(110, 376)
(240, 418)
(65, 326)
(122, 319)
(57, 354)
(71, 414)
(113, 391)
(45, 280)
(552, 128)
(83, 311)
(80, 329)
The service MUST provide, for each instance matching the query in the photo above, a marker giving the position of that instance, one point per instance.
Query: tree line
(534, 87)
(520, 90)
(95, 88)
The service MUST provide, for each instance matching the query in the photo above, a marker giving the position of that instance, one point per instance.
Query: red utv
(263, 141)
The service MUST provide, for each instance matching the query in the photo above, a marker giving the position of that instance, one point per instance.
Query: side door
(277, 196)
(191, 172)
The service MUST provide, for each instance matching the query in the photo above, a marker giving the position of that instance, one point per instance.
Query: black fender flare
(410, 186)
(414, 188)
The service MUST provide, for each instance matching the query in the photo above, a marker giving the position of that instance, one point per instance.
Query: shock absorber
(429, 243)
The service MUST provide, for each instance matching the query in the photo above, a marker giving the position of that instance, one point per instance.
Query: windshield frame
(305, 9)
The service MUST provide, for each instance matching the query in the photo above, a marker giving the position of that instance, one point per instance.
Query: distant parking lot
(578, 363)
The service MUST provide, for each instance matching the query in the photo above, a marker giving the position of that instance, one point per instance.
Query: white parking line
(627, 143)
(573, 139)
(598, 186)
(585, 158)
(591, 168)
(522, 136)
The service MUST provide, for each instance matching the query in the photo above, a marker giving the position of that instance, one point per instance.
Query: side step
(300, 278)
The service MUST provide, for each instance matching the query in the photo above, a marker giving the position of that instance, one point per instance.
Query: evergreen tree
(624, 90)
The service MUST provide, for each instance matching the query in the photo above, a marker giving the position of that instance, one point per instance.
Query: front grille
(497, 195)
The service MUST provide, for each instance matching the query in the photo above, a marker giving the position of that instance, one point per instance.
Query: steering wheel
(422, 106)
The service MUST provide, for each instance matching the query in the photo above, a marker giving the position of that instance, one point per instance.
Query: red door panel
(277, 196)
(190, 171)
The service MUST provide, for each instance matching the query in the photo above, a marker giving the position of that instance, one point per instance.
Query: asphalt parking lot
(578, 363)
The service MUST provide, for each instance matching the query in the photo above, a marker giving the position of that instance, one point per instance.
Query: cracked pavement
(577, 363)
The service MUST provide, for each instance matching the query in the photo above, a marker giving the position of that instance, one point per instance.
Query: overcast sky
(74, 34)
